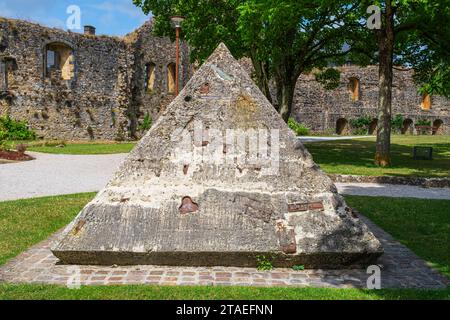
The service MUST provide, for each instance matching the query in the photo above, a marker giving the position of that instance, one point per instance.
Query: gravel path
(319, 139)
(55, 174)
(391, 190)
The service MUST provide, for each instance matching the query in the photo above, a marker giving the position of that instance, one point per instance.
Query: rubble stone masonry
(80, 86)
(330, 111)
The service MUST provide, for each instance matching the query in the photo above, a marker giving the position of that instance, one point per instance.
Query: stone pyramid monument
(219, 180)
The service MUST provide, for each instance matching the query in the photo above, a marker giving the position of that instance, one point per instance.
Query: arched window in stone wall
(3, 76)
(59, 59)
(426, 101)
(437, 126)
(353, 88)
(7, 64)
(342, 126)
(171, 77)
(407, 126)
(373, 126)
(149, 81)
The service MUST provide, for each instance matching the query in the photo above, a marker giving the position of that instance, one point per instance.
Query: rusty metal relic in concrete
(219, 180)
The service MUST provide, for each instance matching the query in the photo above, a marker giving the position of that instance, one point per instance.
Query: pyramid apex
(222, 47)
(221, 52)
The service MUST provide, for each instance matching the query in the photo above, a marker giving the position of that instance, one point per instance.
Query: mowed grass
(356, 156)
(85, 148)
(75, 147)
(422, 225)
(142, 292)
(24, 223)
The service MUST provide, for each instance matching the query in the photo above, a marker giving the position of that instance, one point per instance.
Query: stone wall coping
(414, 181)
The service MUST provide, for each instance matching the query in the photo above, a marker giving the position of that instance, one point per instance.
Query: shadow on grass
(142, 292)
(356, 157)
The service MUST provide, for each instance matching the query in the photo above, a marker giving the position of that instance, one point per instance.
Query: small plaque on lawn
(423, 153)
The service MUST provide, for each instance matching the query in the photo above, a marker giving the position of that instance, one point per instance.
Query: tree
(283, 38)
(412, 33)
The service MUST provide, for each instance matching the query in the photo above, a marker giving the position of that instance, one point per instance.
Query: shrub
(3, 145)
(298, 128)
(360, 126)
(15, 130)
(397, 123)
(3, 134)
(423, 122)
(147, 123)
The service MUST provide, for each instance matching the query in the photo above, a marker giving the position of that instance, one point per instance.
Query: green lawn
(27, 222)
(86, 148)
(138, 292)
(422, 225)
(356, 156)
(76, 148)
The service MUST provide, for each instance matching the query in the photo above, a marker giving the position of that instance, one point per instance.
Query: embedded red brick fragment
(316, 206)
(299, 207)
(295, 207)
(188, 206)
(204, 89)
(286, 239)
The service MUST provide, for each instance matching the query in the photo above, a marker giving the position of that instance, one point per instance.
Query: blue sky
(110, 17)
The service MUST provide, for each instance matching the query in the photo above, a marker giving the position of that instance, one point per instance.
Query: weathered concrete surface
(174, 202)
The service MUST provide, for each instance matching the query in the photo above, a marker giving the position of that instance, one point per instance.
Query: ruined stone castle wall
(330, 111)
(96, 92)
(156, 55)
(103, 87)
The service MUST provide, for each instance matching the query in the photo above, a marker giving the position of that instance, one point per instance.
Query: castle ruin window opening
(7, 65)
(426, 101)
(59, 59)
(373, 126)
(437, 126)
(171, 77)
(353, 88)
(407, 126)
(3, 76)
(149, 81)
(342, 126)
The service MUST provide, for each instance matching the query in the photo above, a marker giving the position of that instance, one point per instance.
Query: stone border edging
(413, 181)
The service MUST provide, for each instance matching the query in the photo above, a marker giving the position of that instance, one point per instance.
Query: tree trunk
(262, 77)
(285, 93)
(386, 52)
(286, 76)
